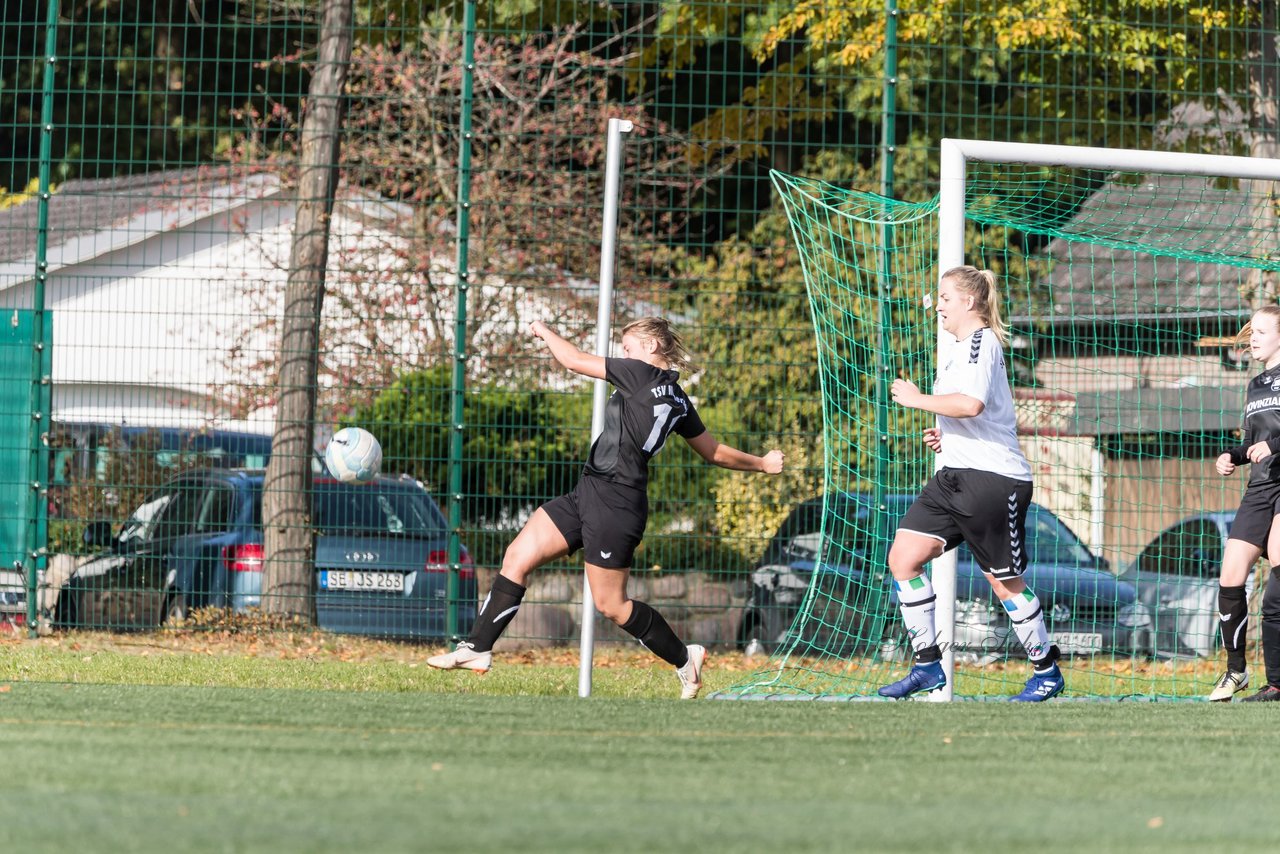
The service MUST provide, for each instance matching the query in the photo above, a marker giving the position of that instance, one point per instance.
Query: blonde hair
(658, 329)
(1242, 337)
(981, 285)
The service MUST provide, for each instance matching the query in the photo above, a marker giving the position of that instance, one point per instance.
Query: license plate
(341, 579)
(1077, 642)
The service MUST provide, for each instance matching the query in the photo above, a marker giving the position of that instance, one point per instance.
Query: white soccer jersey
(974, 366)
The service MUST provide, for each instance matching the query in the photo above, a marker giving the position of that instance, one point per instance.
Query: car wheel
(66, 614)
(175, 609)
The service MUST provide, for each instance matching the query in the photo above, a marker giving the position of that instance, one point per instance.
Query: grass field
(344, 747)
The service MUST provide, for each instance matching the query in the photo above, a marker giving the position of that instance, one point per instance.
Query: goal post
(1127, 273)
(956, 155)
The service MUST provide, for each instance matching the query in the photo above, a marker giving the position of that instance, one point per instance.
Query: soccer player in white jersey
(979, 494)
(1254, 531)
(606, 513)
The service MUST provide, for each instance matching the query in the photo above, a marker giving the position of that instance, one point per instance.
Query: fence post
(884, 293)
(460, 321)
(36, 530)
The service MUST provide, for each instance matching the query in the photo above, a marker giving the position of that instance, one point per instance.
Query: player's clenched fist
(1224, 465)
(771, 463)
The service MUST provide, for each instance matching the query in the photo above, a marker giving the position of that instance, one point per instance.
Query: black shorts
(606, 520)
(1260, 505)
(987, 511)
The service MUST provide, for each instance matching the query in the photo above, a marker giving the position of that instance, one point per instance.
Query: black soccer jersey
(1261, 424)
(646, 406)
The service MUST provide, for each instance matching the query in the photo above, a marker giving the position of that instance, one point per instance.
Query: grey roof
(80, 208)
(1211, 230)
(1197, 409)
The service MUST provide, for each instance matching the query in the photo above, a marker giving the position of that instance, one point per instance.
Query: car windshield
(850, 528)
(1192, 548)
(341, 509)
(1050, 541)
(139, 525)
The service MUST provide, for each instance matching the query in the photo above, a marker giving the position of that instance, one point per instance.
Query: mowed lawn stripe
(1125, 735)
(237, 769)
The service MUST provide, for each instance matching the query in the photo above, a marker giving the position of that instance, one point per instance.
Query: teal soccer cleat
(1041, 686)
(921, 677)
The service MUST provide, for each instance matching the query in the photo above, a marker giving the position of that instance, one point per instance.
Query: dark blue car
(381, 560)
(853, 611)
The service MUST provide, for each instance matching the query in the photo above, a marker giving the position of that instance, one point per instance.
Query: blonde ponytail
(670, 347)
(981, 285)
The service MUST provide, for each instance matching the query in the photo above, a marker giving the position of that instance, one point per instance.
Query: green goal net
(1124, 292)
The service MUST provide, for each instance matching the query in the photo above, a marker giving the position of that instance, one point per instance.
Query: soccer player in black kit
(605, 515)
(1254, 531)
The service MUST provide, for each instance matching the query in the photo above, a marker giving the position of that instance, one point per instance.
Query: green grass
(37, 662)
(385, 756)
(326, 662)
(1104, 678)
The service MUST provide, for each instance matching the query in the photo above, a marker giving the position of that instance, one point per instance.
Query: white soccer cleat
(691, 674)
(462, 658)
(1228, 685)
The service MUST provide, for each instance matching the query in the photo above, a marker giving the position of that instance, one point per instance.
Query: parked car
(854, 608)
(13, 598)
(1176, 576)
(381, 557)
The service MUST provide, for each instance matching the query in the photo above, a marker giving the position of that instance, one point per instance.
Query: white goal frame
(955, 157)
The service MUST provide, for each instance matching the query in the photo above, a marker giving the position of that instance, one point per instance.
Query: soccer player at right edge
(1254, 531)
(979, 495)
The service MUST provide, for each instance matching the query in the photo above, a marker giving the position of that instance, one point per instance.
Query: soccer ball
(353, 455)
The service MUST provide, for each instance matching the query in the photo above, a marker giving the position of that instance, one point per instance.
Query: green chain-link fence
(168, 136)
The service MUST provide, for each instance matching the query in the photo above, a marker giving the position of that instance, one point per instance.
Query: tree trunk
(166, 85)
(1264, 134)
(288, 575)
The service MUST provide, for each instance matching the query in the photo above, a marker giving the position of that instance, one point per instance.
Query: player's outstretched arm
(731, 458)
(587, 364)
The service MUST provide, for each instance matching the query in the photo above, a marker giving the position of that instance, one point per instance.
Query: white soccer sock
(1028, 623)
(916, 600)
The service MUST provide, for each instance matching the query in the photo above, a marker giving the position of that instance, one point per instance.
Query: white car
(1176, 577)
(13, 598)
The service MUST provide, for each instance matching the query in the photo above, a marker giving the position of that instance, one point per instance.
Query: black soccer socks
(647, 626)
(1271, 627)
(1233, 616)
(499, 609)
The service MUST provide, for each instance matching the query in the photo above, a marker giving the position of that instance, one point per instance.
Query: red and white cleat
(691, 674)
(462, 658)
